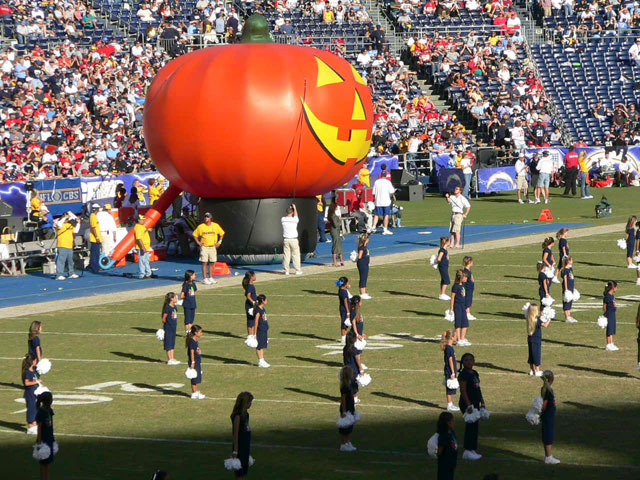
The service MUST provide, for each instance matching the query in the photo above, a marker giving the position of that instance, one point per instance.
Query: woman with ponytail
(30, 381)
(262, 329)
(242, 433)
(250, 297)
(568, 285)
(194, 360)
(609, 306)
(44, 420)
(534, 338)
(548, 416)
(170, 322)
(343, 299)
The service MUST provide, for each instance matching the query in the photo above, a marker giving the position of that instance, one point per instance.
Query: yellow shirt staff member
(364, 176)
(95, 239)
(208, 236)
(66, 228)
(155, 190)
(143, 245)
(36, 205)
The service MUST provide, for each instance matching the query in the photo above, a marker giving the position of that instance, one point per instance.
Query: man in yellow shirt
(208, 236)
(36, 204)
(95, 239)
(155, 190)
(143, 245)
(364, 176)
(66, 228)
(321, 221)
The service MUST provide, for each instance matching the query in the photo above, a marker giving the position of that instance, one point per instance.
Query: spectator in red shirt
(570, 171)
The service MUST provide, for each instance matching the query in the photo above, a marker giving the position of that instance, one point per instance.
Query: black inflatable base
(253, 228)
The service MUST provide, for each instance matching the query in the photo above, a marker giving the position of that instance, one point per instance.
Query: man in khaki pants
(290, 234)
(208, 236)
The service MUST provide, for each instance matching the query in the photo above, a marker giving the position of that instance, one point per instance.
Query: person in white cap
(108, 229)
(208, 236)
(95, 239)
(66, 228)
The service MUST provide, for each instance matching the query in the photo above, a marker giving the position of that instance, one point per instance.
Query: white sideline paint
(67, 399)
(100, 386)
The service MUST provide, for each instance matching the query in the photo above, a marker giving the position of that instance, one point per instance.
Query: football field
(121, 412)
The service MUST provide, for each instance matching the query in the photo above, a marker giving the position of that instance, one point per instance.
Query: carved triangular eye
(358, 108)
(327, 75)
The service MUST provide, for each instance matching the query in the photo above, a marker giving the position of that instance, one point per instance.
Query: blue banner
(596, 157)
(449, 179)
(16, 196)
(499, 179)
(444, 161)
(60, 195)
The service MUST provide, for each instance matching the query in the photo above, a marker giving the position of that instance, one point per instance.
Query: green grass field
(147, 421)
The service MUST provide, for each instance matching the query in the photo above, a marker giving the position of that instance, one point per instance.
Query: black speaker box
(411, 193)
(401, 177)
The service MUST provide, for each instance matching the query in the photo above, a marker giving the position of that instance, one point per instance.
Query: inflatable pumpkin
(258, 119)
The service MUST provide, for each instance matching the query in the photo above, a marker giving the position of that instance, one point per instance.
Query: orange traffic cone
(545, 216)
(221, 268)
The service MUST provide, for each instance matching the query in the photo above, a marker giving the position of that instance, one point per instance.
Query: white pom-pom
(363, 379)
(346, 421)
(251, 460)
(44, 366)
(353, 256)
(433, 260)
(622, 244)
(180, 302)
(576, 295)
(250, 311)
(549, 272)
(357, 416)
(41, 451)
(251, 341)
(636, 258)
(432, 445)
(56, 447)
(484, 414)
(537, 404)
(449, 315)
(548, 313)
(533, 417)
(232, 464)
(472, 417)
(40, 390)
(568, 296)
(525, 309)
(547, 301)
(160, 334)
(190, 373)
(603, 321)
(452, 384)
(347, 323)
(360, 344)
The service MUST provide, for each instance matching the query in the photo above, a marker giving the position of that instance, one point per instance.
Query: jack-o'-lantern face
(344, 144)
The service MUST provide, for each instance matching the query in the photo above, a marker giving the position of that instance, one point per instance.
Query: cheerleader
(194, 360)
(44, 420)
(250, 297)
(638, 327)
(447, 446)
(547, 256)
(568, 283)
(188, 299)
(351, 358)
(563, 245)
(347, 405)
(241, 433)
(343, 300)
(170, 321)
(543, 283)
(363, 265)
(469, 286)
(630, 238)
(458, 307)
(262, 329)
(446, 343)
(30, 382)
(638, 249)
(534, 338)
(35, 349)
(443, 267)
(470, 396)
(609, 306)
(357, 324)
(548, 416)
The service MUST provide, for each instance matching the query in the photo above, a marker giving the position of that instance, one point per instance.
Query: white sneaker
(263, 364)
(471, 317)
(366, 296)
(614, 348)
(531, 373)
(73, 275)
(555, 279)
(206, 281)
(584, 198)
(32, 430)
(471, 455)
(520, 201)
(452, 408)
(351, 445)
(173, 362)
(61, 277)
(537, 201)
(611, 347)
(201, 396)
(347, 447)
(286, 272)
(212, 281)
(551, 460)
(364, 367)
(444, 296)
(571, 320)
(387, 232)
(538, 373)
(589, 196)
(546, 200)
(464, 343)
(628, 266)
(299, 272)
(530, 201)
(195, 396)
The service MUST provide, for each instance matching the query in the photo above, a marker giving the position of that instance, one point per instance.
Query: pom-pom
(449, 316)
(549, 272)
(346, 421)
(251, 460)
(353, 256)
(525, 309)
(44, 366)
(568, 296)
(472, 417)
(548, 313)
(357, 416)
(576, 295)
(636, 258)
(537, 404)
(533, 417)
(180, 302)
(547, 301)
(622, 244)
(363, 379)
(484, 414)
(40, 390)
(603, 321)
(232, 464)
(360, 344)
(347, 323)
(160, 334)
(190, 373)
(56, 447)
(41, 451)
(250, 311)
(433, 260)
(432, 445)
(452, 384)
(251, 341)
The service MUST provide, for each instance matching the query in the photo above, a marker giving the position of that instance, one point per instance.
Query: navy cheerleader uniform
(343, 295)
(248, 304)
(30, 396)
(638, 238)
(170, 327)
(448, 459)
(475, 397)
(443, 267)
(360, 322)
(349, 358)
(459, 307)
(189, 302)
(469, 286)
(34, 343)
(631, 242)
(449, 352)
(262, 334)
(543, 281)
(45, 418)
(563, 246)
(534, 342)
(244, 444)
(363, 266)
(568, 274)
(195, 348)
(550, 259)
(610, 313)
(548, 417)
(350, 407)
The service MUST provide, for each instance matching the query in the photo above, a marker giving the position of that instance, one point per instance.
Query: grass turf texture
(293, 416)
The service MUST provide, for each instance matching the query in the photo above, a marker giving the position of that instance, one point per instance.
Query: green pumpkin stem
(256, 30)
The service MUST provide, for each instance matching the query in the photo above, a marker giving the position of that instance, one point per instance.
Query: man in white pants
(458, 213)
(107, 229)
(291, 246)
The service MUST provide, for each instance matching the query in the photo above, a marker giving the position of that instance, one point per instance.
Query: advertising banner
(498, 179)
